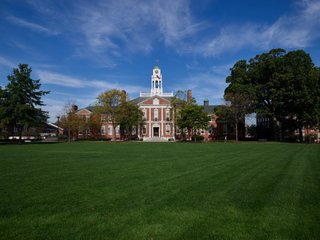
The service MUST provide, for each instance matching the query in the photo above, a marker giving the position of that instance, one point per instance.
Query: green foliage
(109, 103)
(159, 191)
(20, 101)
(280, 86)
(71, 122)
(192, 117)
(129, 116)
(197, 138)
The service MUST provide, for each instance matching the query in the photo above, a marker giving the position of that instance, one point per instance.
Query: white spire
(156, 82)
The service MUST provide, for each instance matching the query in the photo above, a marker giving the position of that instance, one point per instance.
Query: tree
(93, 126)
(239, 96)
(303, 92)
(177, 103)
(20, 101)
(110, 103)
(129, 116)
(236, 109)
(71, 122)
(280, 86)
(193, 118)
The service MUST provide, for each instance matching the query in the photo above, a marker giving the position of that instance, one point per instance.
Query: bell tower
(156, 81)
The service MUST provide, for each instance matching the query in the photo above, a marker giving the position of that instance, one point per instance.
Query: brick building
(157, 114)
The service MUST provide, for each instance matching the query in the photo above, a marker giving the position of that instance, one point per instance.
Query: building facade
(157, 111)
(158, 116)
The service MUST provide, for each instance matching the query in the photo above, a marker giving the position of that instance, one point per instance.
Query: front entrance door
(156, 131)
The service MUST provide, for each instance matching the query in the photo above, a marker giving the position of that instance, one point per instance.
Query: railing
(161, 95)
(167, 94)
(145, 94)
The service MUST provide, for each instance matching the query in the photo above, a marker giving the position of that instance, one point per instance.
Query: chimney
(74, 108)
(189, 96)
(123, 96)
(206, 102)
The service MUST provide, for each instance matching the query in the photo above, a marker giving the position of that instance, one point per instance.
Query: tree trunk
(114, 132)
(20, 134)
(190, 133)
(237, 130)
(300, 134)
(69, 135)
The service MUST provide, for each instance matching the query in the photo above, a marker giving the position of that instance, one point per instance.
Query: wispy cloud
(30, 25)
(294, 31)
(6, 62)
(209, 84)
(72, 82)
(135, 26)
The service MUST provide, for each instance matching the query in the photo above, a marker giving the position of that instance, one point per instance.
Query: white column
(161, 125)
(150, 133)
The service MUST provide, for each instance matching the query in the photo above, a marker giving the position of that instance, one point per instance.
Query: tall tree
(21, 100)
(239, 96)
(303, 92)
(110, 103)
(281, 86)
(237, 107)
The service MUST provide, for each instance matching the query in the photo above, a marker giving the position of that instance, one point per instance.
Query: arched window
(157, 84)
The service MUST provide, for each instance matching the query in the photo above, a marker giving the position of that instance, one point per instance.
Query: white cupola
(156, 81)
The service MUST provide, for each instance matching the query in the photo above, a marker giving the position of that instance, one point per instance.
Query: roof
(209, 108)
(89, 108)
(142, 99)
(138, 100)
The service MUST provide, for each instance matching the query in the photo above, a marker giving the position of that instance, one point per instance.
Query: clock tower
(156, 82)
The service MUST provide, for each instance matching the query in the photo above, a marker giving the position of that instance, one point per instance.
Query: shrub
(197, 138)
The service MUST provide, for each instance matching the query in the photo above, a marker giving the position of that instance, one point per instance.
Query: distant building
(266, 131)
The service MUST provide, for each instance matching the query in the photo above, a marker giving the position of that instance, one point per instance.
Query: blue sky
(79, 49)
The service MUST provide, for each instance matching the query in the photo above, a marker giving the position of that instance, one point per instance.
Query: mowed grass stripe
(159, 191)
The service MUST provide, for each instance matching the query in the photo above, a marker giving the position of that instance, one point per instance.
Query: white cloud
(68, 81)
(6, 62)
(119, 27)
(57, 107)
(294, 31)
(33, 26)
(207, 85)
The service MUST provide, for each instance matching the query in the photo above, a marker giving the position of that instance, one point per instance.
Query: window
(155, 112)
(118, 129)
(103, 118)
(144, 114)
(167, 114)
(102, 130)
(168, 128)
(134, 130)
(144, 129)
(110, 130)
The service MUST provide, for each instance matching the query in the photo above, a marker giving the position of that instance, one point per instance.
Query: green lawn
(160, 191)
